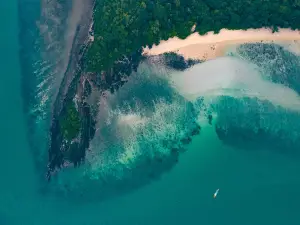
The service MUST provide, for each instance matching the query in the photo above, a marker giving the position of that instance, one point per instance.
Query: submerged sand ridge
(212, 45)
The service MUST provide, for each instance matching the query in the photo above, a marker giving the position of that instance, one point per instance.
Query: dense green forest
(122, 27)
(70, 123)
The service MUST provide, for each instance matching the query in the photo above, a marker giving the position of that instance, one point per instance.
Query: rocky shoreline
(74, 112)
(68, 89)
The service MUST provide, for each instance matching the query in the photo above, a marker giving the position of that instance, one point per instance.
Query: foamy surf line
(212, 45)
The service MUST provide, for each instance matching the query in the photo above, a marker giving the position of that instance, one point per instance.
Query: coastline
(209, 46)
(65, 148)
(67, 90)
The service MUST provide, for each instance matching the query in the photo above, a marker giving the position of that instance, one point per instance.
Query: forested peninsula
(120, 30)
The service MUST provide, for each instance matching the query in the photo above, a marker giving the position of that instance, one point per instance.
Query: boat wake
(144, 127)
(251, 97)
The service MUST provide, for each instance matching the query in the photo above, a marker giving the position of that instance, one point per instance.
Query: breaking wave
(143, 128)
(48, 30)
(251, 97)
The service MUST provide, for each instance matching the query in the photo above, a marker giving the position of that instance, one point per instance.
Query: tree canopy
(122, 27)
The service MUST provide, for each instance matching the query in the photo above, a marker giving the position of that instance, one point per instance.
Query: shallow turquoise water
(256, 187)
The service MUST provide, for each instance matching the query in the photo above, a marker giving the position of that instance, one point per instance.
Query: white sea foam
(228, 76)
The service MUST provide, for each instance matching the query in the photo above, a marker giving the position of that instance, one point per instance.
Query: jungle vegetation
(70, 123)
(123, 27)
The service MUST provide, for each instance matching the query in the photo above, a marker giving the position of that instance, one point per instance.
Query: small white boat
(216, 193)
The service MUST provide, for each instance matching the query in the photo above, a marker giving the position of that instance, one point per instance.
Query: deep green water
(259, 187)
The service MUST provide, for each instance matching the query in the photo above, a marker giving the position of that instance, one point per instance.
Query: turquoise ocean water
(258, 186)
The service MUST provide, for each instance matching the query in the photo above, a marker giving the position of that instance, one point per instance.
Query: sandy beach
(211, 45)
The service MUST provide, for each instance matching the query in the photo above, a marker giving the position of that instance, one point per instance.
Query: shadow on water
(253, 124)
(247, 123)
(156, 148)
